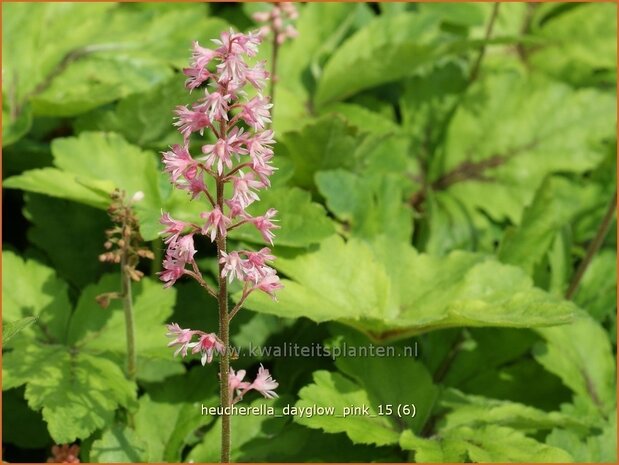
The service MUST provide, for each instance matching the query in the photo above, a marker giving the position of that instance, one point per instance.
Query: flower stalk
(124, 245)
(240, 157)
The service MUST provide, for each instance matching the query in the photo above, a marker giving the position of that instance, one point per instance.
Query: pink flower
(259, 144)
(237, 43)
(265, 225)
(207, 345)
(269, 283)
(185, 249)
(215, 105)
(173, 270)
(258, 259)
(202, 56)
(216, 222)
(222, 150)
(182, 338)
(257, 75)
(256, 112)
(243, 185)
(236, 383)
(173, 227)
(195, 77)
(249, 43)
(194, 186)
(264, 384)
(191, 121)
(233, 266)
(236, 208)
(178, 162)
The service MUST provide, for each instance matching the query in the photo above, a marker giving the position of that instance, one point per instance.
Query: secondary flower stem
(594, 246)
(238, 306)
(224, 322)
(127, 300)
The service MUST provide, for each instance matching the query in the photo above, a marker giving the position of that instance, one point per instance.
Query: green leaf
(97, 330)
(98, 79)
(465, 14)
(98, 161)
(600, 448)
(10, 329)
(57, 183)
(16, 123)
(581, 355)
(296, 443)
(555, 204)
(41, 30)
(77, 392)
(379, 49)
(30, 289)
(477, 411)
(508, 127)
(363, 118)
(323, 144)
(485, 444)
(597, 292)
(592, 58)
(164, 426)
(145, 118)
(302, 221)
(321, 27)
(118, 444)
(414, 386)
(462, 289)
(370, 206)
(73, 251)
(332, 390)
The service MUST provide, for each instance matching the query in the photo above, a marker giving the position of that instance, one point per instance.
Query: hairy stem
(594, 246)
(224, 322)
(127, 300)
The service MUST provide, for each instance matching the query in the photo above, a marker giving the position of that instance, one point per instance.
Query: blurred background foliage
(444, 170)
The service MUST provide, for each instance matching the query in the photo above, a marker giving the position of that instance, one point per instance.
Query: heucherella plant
(240, 159)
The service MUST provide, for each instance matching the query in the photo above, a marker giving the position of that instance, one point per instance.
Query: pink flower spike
(182, 338)
(173, 227)
(265, 225)
(265, 384)
(207, 345)
(216, 222)
(256, 112)
(178, 162)
(191, 121)
(236, 383)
